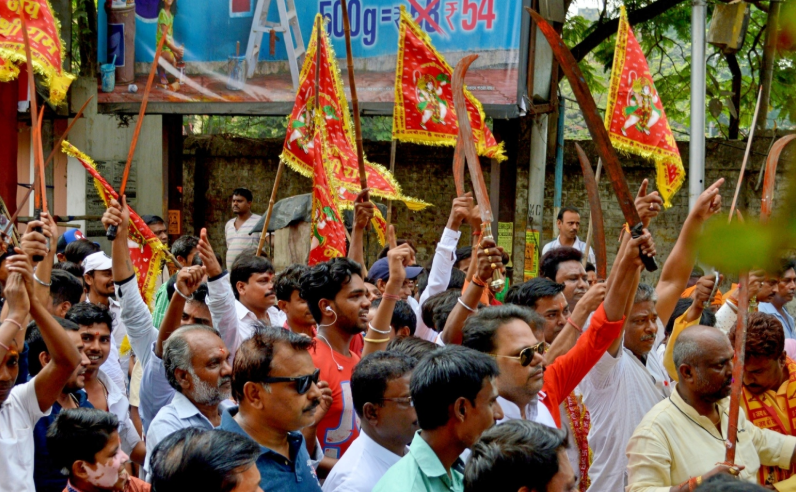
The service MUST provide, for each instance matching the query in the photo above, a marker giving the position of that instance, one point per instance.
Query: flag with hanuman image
(634, 116)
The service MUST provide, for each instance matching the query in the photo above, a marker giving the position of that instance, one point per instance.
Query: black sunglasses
(526, 354)
(303, 383)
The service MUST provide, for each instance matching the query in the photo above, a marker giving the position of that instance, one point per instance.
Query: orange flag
(328, 230)
(146, 250)
(300, 145)
(45, 44)
(424, 110)
(635, 118)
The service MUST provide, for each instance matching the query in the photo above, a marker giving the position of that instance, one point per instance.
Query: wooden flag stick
(66, 133)
(745, 156)
(737, 369)
(591, 230)
(111, 232)
(363, 178)
(40, 199)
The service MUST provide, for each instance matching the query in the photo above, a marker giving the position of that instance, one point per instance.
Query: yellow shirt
(671, 445)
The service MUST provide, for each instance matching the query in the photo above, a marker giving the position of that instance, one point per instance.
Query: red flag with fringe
(146, 250)
(46, 47)
(328, 229)
(338, 137)
(424, 110)
(635, 118)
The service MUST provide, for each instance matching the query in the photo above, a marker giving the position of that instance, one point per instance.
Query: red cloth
(568, 370)
(340, 425)
(357, 345)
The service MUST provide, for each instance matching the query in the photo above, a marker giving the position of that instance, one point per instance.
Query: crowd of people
(391, 376)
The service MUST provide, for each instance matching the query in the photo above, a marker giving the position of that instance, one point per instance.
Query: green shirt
(167, 19)
(161, 305)
(420, 470)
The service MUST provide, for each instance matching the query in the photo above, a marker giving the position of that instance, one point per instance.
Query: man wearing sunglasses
(383, 402)
(276, 385)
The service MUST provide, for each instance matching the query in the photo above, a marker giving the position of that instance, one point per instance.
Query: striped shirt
(239, 240)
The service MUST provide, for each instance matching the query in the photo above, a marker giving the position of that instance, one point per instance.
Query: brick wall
(215, 165)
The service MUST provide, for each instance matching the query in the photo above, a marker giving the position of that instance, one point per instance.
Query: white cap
(97, 261)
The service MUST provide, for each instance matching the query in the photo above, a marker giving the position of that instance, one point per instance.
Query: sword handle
(498, 282)
(649, 262)
(37, 216)
(111, 233)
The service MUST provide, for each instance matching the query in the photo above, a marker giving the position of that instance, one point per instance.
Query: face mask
(106, 476)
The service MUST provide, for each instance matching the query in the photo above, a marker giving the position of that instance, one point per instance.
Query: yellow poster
(506, 238)
(532, 250)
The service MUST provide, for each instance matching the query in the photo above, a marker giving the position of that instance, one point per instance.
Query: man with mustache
(383, 402)
(238, 229)
(95, 323)
(196, 363)
(782, 295)
(276, 385)
(568, 224)
(769, 385)
(762, 288)
(46, 477)
(681, 442)
(565, 266)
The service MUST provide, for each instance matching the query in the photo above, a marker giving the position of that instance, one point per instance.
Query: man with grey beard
(196, 361)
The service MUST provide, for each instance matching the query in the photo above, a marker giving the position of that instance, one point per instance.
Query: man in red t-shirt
(338, 300)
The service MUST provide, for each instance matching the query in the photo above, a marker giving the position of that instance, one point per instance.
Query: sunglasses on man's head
(526, 354)
(303, 383)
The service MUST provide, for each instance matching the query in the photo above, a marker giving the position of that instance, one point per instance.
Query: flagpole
(363, 178)
(745, 156)
(40, 199)
(68, 128)
(111, 232)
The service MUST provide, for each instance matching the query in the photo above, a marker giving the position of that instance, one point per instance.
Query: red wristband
(477, 281)
(391, 297)
(569, 320)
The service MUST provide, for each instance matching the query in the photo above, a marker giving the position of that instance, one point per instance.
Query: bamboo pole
(66, 133)
(111, 232)
(363, 178)
(737, 369)
(40, 199)
(745, 156)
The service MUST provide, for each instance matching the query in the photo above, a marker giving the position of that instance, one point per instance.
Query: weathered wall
(214, 166)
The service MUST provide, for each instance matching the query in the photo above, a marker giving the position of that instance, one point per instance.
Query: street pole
(696, 149)
(533, 230)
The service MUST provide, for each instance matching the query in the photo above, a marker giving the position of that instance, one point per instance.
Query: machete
(769, 181)
(596, 211)
(596, 129)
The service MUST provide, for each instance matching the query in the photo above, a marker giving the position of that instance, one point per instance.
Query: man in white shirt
(383, 402)
(568, 223)
(238, 229)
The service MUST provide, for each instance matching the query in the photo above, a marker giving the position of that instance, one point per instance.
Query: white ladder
(260, 25)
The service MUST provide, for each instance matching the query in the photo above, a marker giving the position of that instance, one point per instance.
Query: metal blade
(596, 211)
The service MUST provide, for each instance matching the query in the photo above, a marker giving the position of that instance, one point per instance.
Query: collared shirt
(294, 473)
(239, 240)
(533, 412)
(46, 477)
(136, 317)
(120, 406)
(114, 365)
(18, 415)
(616, 386)
(179, 414)
(438, 279)
(674, 443)
(420, 470)
(785, 318)
(361, 467)
(579, 245)
(155, 392)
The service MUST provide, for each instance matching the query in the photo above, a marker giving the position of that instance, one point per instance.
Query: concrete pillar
(536, 179)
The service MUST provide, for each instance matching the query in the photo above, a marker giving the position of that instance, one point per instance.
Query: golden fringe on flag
(45, 44)
(635, 118)
(151, 251)
(425, 83)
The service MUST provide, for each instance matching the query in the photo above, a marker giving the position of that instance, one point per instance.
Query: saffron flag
(328, 229)
(424, 110)
(634, 117)
(338, 137)
(146, 250)
(46, 46)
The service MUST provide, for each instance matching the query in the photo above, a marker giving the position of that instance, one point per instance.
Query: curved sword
(596, 129)
(596, 212)
(769, 181)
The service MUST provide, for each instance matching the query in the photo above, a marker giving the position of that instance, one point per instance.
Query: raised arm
(64, 357)
(678, 266)
(621, 289)
(220, 299)
(188, 280)
(568, 336)
(364, 210)
(35, 244)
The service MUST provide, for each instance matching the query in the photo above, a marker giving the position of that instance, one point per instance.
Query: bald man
(682, 440)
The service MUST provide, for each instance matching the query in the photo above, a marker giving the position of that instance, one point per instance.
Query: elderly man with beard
(46, 476)
(196, 363)
(681, 442)
(276, 385)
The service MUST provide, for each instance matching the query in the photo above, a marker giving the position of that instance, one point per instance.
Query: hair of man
(65, 287)
(326, 280)
(412, 346)
(78, 435)
(177, 352)
(289, 280)
(371, 375)
(402, 315)
(564, 210)
(244, 192)
(76, 251)
(246, 265)
(550, 261)
(765, 336)
(88, 314)
(527, 293)
(36, 343)
(480, 329)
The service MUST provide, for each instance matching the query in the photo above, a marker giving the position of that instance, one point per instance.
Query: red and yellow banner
(328, 229)
(147, 252)
(424, 111)
(635, 118)
(45, 44)
(300, 145)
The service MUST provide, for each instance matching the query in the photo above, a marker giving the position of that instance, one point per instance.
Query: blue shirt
(46, 477)
(786, 320)
(276, 471)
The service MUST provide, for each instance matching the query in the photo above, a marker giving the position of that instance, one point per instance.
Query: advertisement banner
(244, 51)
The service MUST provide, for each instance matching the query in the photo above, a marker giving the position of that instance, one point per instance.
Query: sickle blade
(596, 210)
(769, 181)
